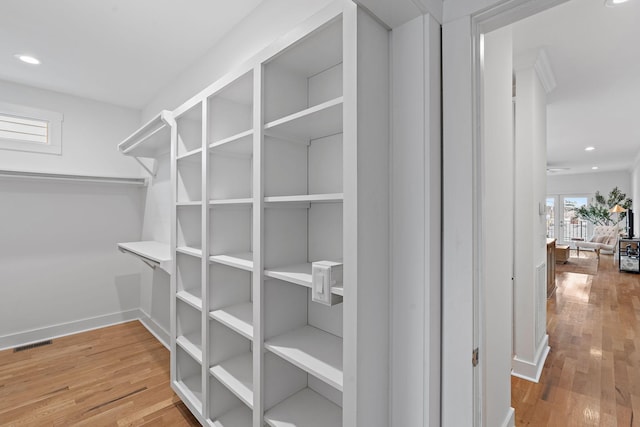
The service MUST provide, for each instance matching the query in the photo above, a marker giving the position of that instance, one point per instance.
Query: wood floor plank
(114, 376)
(592, 374)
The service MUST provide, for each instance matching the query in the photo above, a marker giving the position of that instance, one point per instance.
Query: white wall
(530, 346)
(458, 233)
(415, 226)
(59, 264)
(155, 284)
(497, 230)
(266, 23)
(589, 183)
(91, 131)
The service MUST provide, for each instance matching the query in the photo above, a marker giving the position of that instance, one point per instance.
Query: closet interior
(277, 260)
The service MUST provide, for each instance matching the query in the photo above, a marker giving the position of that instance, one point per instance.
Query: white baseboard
(510, 419)
(531, 371)
(156, 330)
(71, 328)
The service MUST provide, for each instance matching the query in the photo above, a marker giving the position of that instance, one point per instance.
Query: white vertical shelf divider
(206, 212)
(258, 246)
(350, 205)
(173, 244)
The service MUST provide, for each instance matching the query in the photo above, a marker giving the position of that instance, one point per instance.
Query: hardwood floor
(115, 376)
(592, 374)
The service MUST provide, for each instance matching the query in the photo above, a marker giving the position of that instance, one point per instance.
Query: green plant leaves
(598, 212)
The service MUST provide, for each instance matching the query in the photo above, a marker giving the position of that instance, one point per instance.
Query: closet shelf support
(150, 141)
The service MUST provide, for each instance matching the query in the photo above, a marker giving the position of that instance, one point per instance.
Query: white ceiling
(126, 51)
(594, 54)
(117, 51)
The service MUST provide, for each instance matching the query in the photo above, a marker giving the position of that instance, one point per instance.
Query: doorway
(562, 221)
(468, 261)
(464, 139)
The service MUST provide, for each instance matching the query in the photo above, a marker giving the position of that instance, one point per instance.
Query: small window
(30, 129)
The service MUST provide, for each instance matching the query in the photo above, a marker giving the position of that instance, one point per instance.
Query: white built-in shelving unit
(277, 165)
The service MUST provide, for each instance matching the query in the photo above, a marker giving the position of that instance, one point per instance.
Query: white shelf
(189, 345)
(190, 387)
(321, 120)
(191, 299)
(189, 156)
(237, 375)
(190, 251)
(237, 417)
(241, 143)
(245, 201)
(243, 261)
(306, 408)
(300, 274)
(312, 350)
(236, 317)
(196, 203)
(306, 198)
(155, 253)
(151, 140)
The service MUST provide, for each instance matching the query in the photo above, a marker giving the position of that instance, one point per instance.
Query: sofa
(605, 238)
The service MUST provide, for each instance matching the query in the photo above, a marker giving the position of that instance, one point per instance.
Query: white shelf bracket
(147, 133)
(153, 170)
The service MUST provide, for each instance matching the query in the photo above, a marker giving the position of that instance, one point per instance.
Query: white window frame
(54, 129)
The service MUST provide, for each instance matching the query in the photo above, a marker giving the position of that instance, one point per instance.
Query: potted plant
(599, 212)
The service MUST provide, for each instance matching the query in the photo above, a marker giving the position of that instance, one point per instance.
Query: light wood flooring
(115, 376)
(592, 374)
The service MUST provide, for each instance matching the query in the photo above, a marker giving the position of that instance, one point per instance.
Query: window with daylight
(25, 128)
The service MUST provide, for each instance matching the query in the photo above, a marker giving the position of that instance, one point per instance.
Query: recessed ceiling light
(612, 3)
(589, 148)
(595, 168)
(28, 59)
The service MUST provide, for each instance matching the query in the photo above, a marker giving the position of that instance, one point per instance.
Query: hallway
(592, 374)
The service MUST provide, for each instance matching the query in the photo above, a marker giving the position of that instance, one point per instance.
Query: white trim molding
(53, 120)
(510, 419)
(531, 370)
(83, 325)
(539, 61)
(156, 330)
(544, 71)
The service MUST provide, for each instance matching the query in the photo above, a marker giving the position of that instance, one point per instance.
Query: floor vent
(34, 345)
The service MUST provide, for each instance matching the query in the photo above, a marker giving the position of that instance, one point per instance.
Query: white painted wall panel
(91, 131)
(270, 20)
(458, 227)
(408, 226)
(497, 229)
(415, 229)
(59, 263)
(589, 183)
(58, 259)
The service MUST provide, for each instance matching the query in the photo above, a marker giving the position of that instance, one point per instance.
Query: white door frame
(463, 319)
